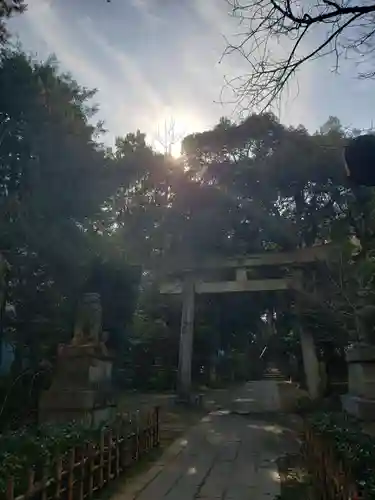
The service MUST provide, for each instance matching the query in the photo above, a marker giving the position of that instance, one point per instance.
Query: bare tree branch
(169, 137)
(275, 26)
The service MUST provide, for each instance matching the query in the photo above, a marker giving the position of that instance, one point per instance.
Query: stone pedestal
(360, 400)
(81, 388)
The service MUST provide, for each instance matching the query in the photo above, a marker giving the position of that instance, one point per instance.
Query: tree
(54, 181)
(56, 188)
(282, 186)
(306, 32)
(7, 9)
(52, 173)
(267, 187)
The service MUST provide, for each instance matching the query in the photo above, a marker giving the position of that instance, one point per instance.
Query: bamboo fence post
(149, 431)
(124, 444)
(82, 472)
(10, 489)
(101, 459)
(128, 440)
(137, 436)
(109, 464)
(58, 474)
(144, 432)
(153, 428)
(140, 435)
(91, 460)
(132, 438)
(156, 423)
(44, 482)
(117, 451)
(30, 481)
(71, 463)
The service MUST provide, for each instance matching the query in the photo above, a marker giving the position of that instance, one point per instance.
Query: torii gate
(192, 283)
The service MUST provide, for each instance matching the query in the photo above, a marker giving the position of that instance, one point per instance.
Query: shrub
(351, 445)
(36, 447)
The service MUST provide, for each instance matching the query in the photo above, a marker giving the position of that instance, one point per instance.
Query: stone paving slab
(226, 457)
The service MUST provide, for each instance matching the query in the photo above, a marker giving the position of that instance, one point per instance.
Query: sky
(154, 61)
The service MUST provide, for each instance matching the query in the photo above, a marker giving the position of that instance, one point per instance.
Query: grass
(294, 478)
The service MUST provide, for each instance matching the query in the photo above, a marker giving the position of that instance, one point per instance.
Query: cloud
(45, 25)
(155, 59)
(95, 63)
(139, 86)
(164, 89)
(147, 9)
(44, 21)
(124, 65)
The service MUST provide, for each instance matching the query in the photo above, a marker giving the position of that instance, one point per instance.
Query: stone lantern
(359, 158)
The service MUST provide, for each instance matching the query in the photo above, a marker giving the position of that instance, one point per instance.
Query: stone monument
(81, 388)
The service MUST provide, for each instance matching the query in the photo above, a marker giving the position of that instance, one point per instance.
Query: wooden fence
(87, 468)
(331, 478)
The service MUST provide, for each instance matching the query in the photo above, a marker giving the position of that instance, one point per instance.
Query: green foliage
(55, 185)
(340, 294)
(150, 353)
(305, 405)
(35, 448)
(350, 444)
(282, 186)
(7, 10)
(54, 182)
(24, 387)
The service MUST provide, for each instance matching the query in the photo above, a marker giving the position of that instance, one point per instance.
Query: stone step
(277, 379)
(273, 374)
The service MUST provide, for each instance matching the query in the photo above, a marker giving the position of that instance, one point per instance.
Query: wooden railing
(87, 468)
(331, 477)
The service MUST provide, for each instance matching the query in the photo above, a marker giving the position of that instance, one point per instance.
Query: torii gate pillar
(310, 363)
(186, 339)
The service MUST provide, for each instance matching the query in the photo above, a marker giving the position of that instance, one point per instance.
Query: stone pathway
(226, 456)
(256, 397)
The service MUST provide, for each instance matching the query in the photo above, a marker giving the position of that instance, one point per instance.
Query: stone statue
(88, 325)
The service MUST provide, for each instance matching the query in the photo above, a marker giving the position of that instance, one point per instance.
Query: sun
(171, 132)
(170, 149)
(175, 149)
